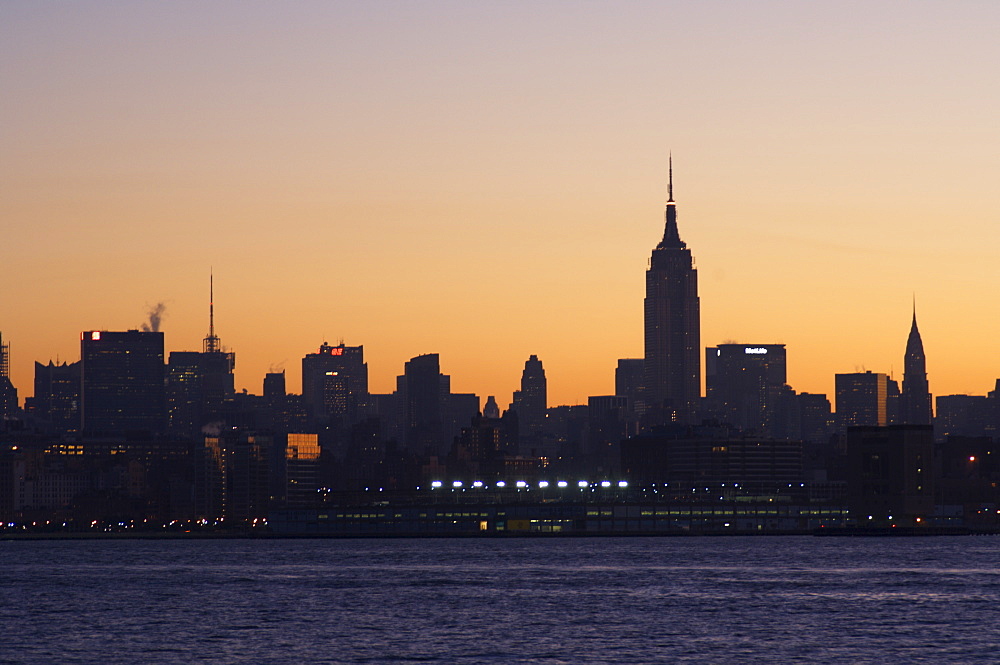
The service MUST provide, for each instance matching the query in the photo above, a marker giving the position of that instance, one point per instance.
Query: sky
(486, 181)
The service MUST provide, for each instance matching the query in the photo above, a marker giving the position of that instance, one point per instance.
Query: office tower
(122, 374)
(608, 422)
(965, 415)
(629, 376)
(57, 395)
(813, 418)
(200, 384)
(915, 398)
(744, 384)
(891, 475)
(531, 400)
(491, 410)
(8, 394)
(274, 386)
(335, 375)
(423, 392)
(862, 399)
(672, 327)
(302, 454)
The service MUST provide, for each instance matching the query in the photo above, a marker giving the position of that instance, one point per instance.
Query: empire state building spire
(671, 236)
(672, 362)
(915, 396)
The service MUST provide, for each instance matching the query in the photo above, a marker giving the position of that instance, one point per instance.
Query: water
(567, 600)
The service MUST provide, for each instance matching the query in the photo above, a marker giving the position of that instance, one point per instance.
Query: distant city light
(605, 483)
(583, 483)
(562, 483)
(436, 483)
(543, 484)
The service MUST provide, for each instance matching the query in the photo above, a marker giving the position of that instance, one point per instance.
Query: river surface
(755, 599)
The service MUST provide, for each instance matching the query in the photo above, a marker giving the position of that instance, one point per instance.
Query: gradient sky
(486, 181)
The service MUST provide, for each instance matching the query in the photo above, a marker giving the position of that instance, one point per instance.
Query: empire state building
(672, 368)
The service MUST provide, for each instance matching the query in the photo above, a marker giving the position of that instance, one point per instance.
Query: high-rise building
(862, 399)
(672, 327)
(8, 394)
(57, 395)
(531, 400)
(200, 384)
(274, 385)
(629, 376)
(335, 382)
(915, 398)
(744, 385)
(423, 394)
(122, 374)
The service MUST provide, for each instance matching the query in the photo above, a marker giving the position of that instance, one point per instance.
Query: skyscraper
(199, 385)
(335, 382)
(916, 397)
(744, 384)
(423, 392)
(57, 395)
(123, 382)
(531, 400)
(862, 399)
(672, 326)
(8, 394)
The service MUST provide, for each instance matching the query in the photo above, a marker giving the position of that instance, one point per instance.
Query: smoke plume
(155, 317)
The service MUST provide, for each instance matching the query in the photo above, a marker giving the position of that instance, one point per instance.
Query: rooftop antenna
(212, 343)
(670, 179)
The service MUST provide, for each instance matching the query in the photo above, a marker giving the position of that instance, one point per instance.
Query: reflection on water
(571, 600)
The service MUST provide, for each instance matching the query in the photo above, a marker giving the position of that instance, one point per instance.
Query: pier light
(543, 484)
(605, 483)
(478, 483)
(457, 483)
(501, 483)
(583, 483)
(622, 483)
(435, 484)
(562, 483)
(521, 483)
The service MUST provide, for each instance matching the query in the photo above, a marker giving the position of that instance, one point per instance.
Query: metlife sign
(755, 350)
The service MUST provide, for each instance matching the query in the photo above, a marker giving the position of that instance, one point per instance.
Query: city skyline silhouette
(349, 177)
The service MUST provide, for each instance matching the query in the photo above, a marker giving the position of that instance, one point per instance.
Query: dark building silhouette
(423, 395)
(274, 385)
(335, 382)
(745, 385)
(57, 395)
(531, 401)
(862, 399)
(200, 384)
(122, 375)
(891, 475)
(491, 409)
(965, 415)
(709, 455)
(672, 327)
(302, 453)
(629, 377)
(811, 418)
(915, 399)
(608, 422)
(8, 394)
